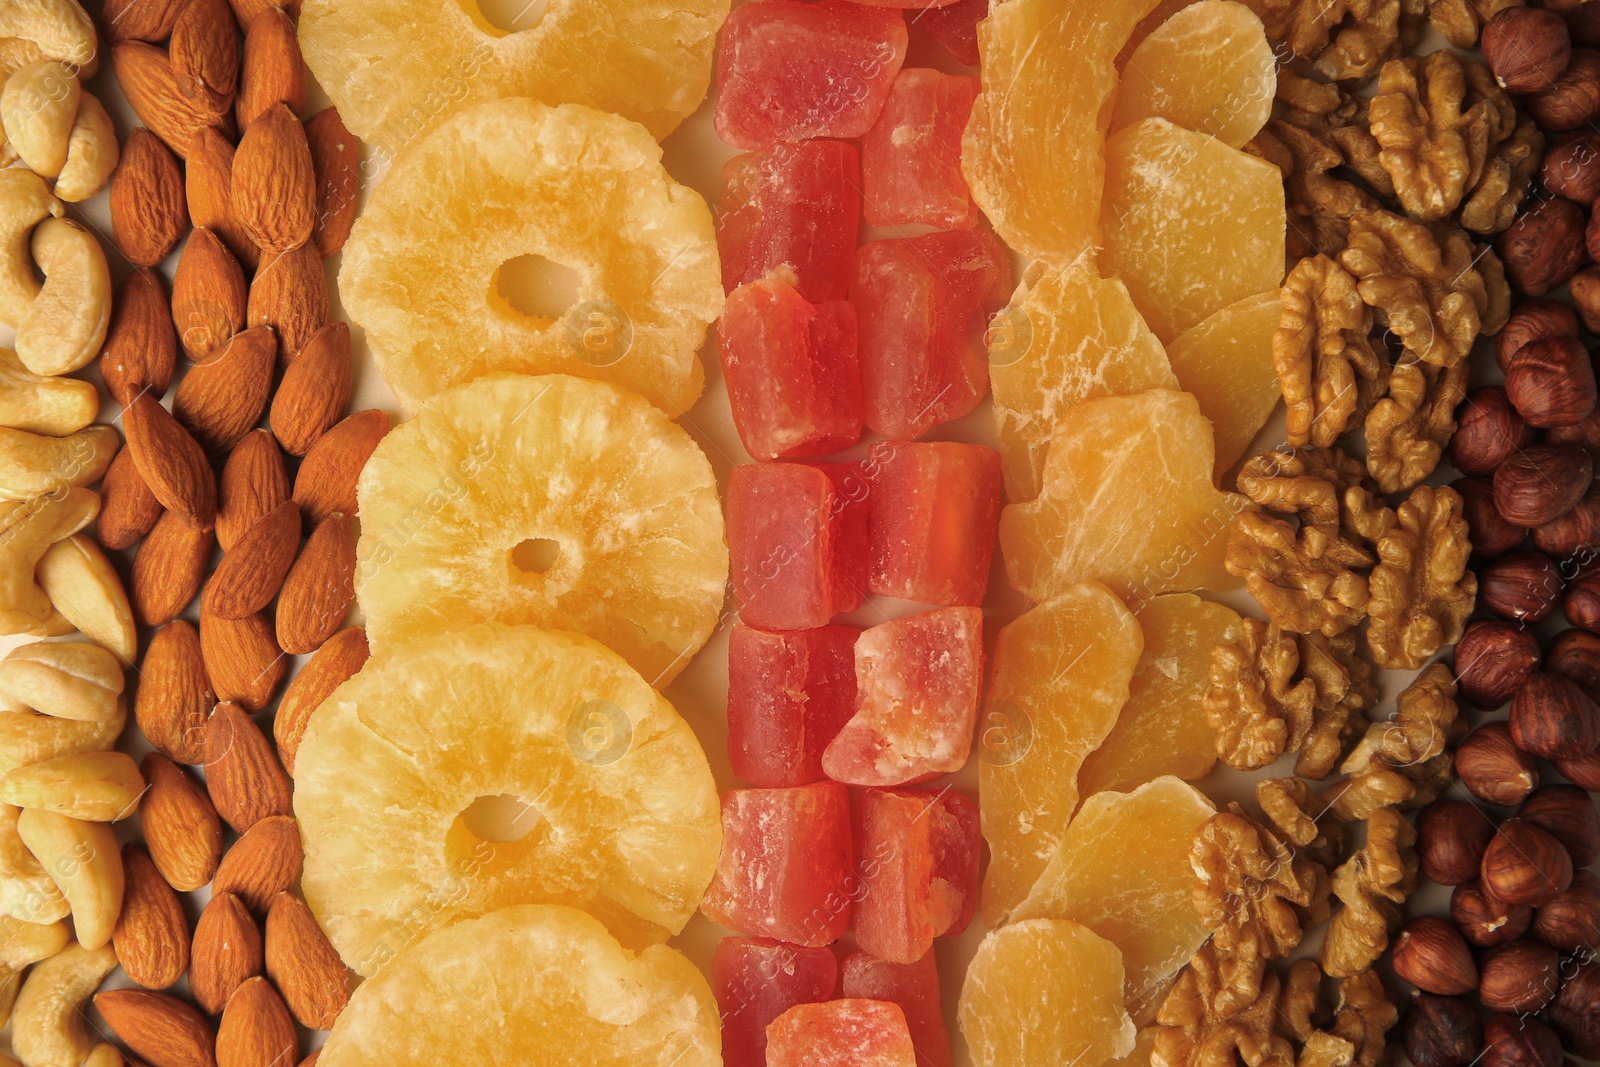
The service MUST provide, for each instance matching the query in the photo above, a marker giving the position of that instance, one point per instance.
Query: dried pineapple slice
(622, 817)
(515, 178)
(556, 501)
(536, 985)
(398, 68)
(1226, 362)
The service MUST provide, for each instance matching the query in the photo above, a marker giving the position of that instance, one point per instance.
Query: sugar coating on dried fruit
(458, 504)
(623, 810)
(396, 71)
(515, 178)
(539, 985)
(1067, 335)
(1226, 362)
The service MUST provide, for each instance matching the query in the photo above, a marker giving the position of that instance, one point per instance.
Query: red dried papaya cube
(923, 306)
(841, 1033)
(917, 685)
(918, 849)
(911, 158)
(790, 71)
(850, 524)
(795, 205)
(914, 989)
(788, 540)
(755, 981)
(789, 693)
(935, 509)
(785, 871)
(955, 27)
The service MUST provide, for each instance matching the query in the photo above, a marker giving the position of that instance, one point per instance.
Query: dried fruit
(340, 657)
(932, 510)
(923, 849)
(1226, 361)
(913, 988)
(911, 158)
(758, 980)
(788, 695)
(796, 206)
(840, 1033)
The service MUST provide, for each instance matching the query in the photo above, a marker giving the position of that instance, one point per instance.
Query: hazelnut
(1451, 838)
(1442, 1031)
(1571, 167)
(1551, 716)
(1542, 483)
(1575, 1014)
(1492, 660)
(1526, 865)
(1584, 771)
(1576, 532)
(1574, 100)
(1519, 976)
(1585, 434)
(1583, 24)
(1490, 534)
(1431, 954)
(1569, 814)
(1544, 246)
(1488, 427)
(1525, 586)
(1526, 48)
(1494, 769)
(1529, 321)
(1551, 383)
(1575, 654)
(1519, 1041)
(1582, 603)
(1484, 920)
(1571, 922)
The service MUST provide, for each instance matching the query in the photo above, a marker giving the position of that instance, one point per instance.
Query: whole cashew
(21, 945)
(47, 1026)
(63, 328)
(66, 679)
(26, 891)
(83, 860)
(25, 201)
(57, 29)
(27, 530)
(94, 787)
(32, 465)
(26, 738)
(43, 404)
(92, 153)
(38, 107)
(83, 585)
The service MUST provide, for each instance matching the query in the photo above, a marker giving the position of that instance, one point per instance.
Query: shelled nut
(1542, 483)
(1527, 48)
(1452, 836)
(1519, 976)
(1484, 920)
(1526, 865)
(1571, 167)
(1492, 660)
(1544, 246)
(1575, 534)
(1574, 100)
(1575, 654)
(1551, 382)
(1575, 1014)
(1431, 954)
(1552, 717)
(1489, 430)
(1569, 814)
(1582, 602)
(1571, 922)
(1490, 533)
(1529, 321)
(1442, 1031)
(1525, 586)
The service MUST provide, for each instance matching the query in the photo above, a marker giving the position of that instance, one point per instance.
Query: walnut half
(1323, 352)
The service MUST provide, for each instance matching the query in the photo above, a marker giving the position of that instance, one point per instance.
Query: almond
(274, 185)
(329, 667)
(311, 1060)
(208, 183)
(145, 75)
(148, 213)
(250, 576)
(168, 569)
(263, 863)
(246, 11)
(171, 462)
(152, 933)
(336, 158)
(208, 295)
(320, 587)
(227, 950)
(326, 482)
(242, 659)
(140, 20)
(174, 697)
(253, 483)
(141, 349)
(246, 780)
(128, 509)
(315, 390)
(274, 72)
(302, 963)
(290, 294)
(219, 400)
(256, 1030)
(181, 828)
(158, 1028)
(204, 53)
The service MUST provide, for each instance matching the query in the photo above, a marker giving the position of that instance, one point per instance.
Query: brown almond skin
(204, 53)
(171, 462)
(150, 21)
(245, 12)
(274, 183)
(243, 659)
(327, 479)
(246, 780)
(209, 296)
(168, 569)
(256, 1030)
(273, 71)
(221, 400)
(315, 390)
(208, 185)
(128, 509)
(320, 588)
(250, 576)
(264, 862)
(336, 158)
(145, 76)
(148, 213)
(158, 1027)
(174, 697)
(253, 482)
(141, 349)
(151, 938)
(305, 967)
(181, 828)
(227, 950)
(290, 294)
(335, 663)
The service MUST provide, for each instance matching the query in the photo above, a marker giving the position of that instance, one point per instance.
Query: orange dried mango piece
(1226, 362)
(1066, 336)
(1189, 224)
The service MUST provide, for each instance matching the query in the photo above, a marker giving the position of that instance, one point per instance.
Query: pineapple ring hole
(536, 555)
(537, 287)
(508, 16)
(501, 820)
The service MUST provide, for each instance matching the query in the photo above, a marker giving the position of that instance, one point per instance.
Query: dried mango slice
(1226, 362)
(1066, 336)
(515, 178)
(1189, 224)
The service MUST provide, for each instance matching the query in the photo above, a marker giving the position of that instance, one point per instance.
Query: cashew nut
(83, 860)
(66, 679)
(38, 107)
(104, 1056)
(27, 738)
(27, 530)
(26, 891)
(25, 201)
(32, 465)
(64, 327)
(92, 152)
(21, 945)
(55, 626)
(57, 29)
(43, 404)
(47, 1026)
(83, 585)
(94, 787)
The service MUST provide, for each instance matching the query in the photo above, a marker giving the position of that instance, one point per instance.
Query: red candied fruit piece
(918, 849)
(785, 871)
(955, 26)
(793, 379)
(789, 694)
(841, 1033)
(757, 980)
(935, 509)
(789, 71)
(923, 306)
(914, 989)
(850, 524)
(911, 158)
(794, 554)
(917, 685)
(795, 205)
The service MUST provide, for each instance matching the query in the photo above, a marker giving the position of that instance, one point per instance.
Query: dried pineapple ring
(397, 68)
(556, 501)
(622, 816)
(534, 985)
(514, 178)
